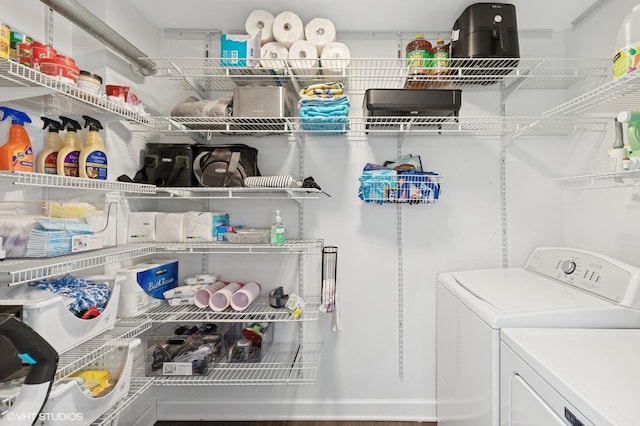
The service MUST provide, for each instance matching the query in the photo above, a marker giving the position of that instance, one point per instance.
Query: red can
(40, 51)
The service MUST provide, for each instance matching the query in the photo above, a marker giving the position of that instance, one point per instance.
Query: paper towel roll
(242, 298)
(335, 57)
(288, 28)
(274, 56)
(303, 57)
(260, 20)
(320, 32)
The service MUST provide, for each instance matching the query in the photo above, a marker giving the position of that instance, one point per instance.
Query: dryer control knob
(568, 266)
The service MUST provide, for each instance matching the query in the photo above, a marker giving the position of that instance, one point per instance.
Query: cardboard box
(240, 50)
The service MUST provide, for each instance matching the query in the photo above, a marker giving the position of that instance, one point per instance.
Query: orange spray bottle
(17, 153)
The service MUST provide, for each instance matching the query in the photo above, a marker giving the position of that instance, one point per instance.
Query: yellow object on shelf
(97, 381)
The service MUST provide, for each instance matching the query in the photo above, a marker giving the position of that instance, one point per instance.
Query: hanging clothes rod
(83, 18)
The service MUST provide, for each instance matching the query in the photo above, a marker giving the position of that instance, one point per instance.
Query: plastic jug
(17, 153)
(627, 54)
(632, 118)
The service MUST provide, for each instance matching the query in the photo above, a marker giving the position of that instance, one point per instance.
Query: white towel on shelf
(260, 21)
(320, 32)
(288, 28)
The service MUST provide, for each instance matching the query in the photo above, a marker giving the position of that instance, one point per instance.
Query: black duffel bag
(225, 165)
(166, 165)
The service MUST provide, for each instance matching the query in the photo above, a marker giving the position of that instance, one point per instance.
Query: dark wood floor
(297, 423)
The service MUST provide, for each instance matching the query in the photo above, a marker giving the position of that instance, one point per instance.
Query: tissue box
(175, 349)
(144, 286)
(141, 227)
(241, 50)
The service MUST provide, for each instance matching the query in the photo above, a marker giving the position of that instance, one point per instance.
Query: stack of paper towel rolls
(305, 48)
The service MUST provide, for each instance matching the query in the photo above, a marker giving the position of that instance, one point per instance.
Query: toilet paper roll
(320, 32)
(335, 57)
(221, 299)
(303, 57)
(260, 20)
(202, 297)
(288, 28)
(242, 298)
(274, 56)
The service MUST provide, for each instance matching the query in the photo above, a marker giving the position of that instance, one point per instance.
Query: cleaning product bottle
(440, 55)
(92, 162)
(68, 155)
(632, 118)
(618, 152)
(17, 153)
(46, 161)
(627, 54)
(277, 230)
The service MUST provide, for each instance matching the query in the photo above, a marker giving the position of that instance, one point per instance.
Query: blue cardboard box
(240, 50)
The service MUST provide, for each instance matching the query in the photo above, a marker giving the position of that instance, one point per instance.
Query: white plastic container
(67, 404)
(47, 313)
(627, 54)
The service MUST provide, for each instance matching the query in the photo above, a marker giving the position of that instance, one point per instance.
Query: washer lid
(519, 298)
(595, 370)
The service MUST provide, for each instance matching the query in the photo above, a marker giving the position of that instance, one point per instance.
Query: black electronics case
(486, 31)
(412, 102)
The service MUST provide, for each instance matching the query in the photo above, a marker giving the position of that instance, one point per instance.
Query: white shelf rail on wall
(30, 87)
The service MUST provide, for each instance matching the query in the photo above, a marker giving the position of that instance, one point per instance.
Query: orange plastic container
(17, 153)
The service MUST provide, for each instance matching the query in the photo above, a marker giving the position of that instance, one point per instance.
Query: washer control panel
(593, 273)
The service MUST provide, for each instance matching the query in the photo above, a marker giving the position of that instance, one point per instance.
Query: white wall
(359, 374)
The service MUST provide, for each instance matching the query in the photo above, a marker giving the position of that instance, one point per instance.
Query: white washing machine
(578, 377)
(557, 287)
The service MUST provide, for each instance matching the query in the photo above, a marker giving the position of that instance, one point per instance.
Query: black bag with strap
(225, 165)
(167, 165)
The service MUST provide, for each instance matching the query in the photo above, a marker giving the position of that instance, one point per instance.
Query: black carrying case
(167, 165)
(486, 31)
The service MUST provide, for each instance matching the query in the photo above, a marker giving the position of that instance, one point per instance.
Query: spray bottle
(67, 164)
(93, 157)
(46, 161)
(17, 153)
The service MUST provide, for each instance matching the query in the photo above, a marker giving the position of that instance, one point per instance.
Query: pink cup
(242, 298)
(202, 296)
(221, 299)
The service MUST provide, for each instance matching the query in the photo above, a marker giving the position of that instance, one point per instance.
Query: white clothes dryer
(557, 287)
(578, 377)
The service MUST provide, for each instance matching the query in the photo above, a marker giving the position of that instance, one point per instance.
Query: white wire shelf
(55, 181)
(235, 193)
(56, 97)
(81, 356)
(18, 271)
(259, 310)
(284, 364)
(223, 247)
(354, 126)
(359, 74)
(610, 98)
